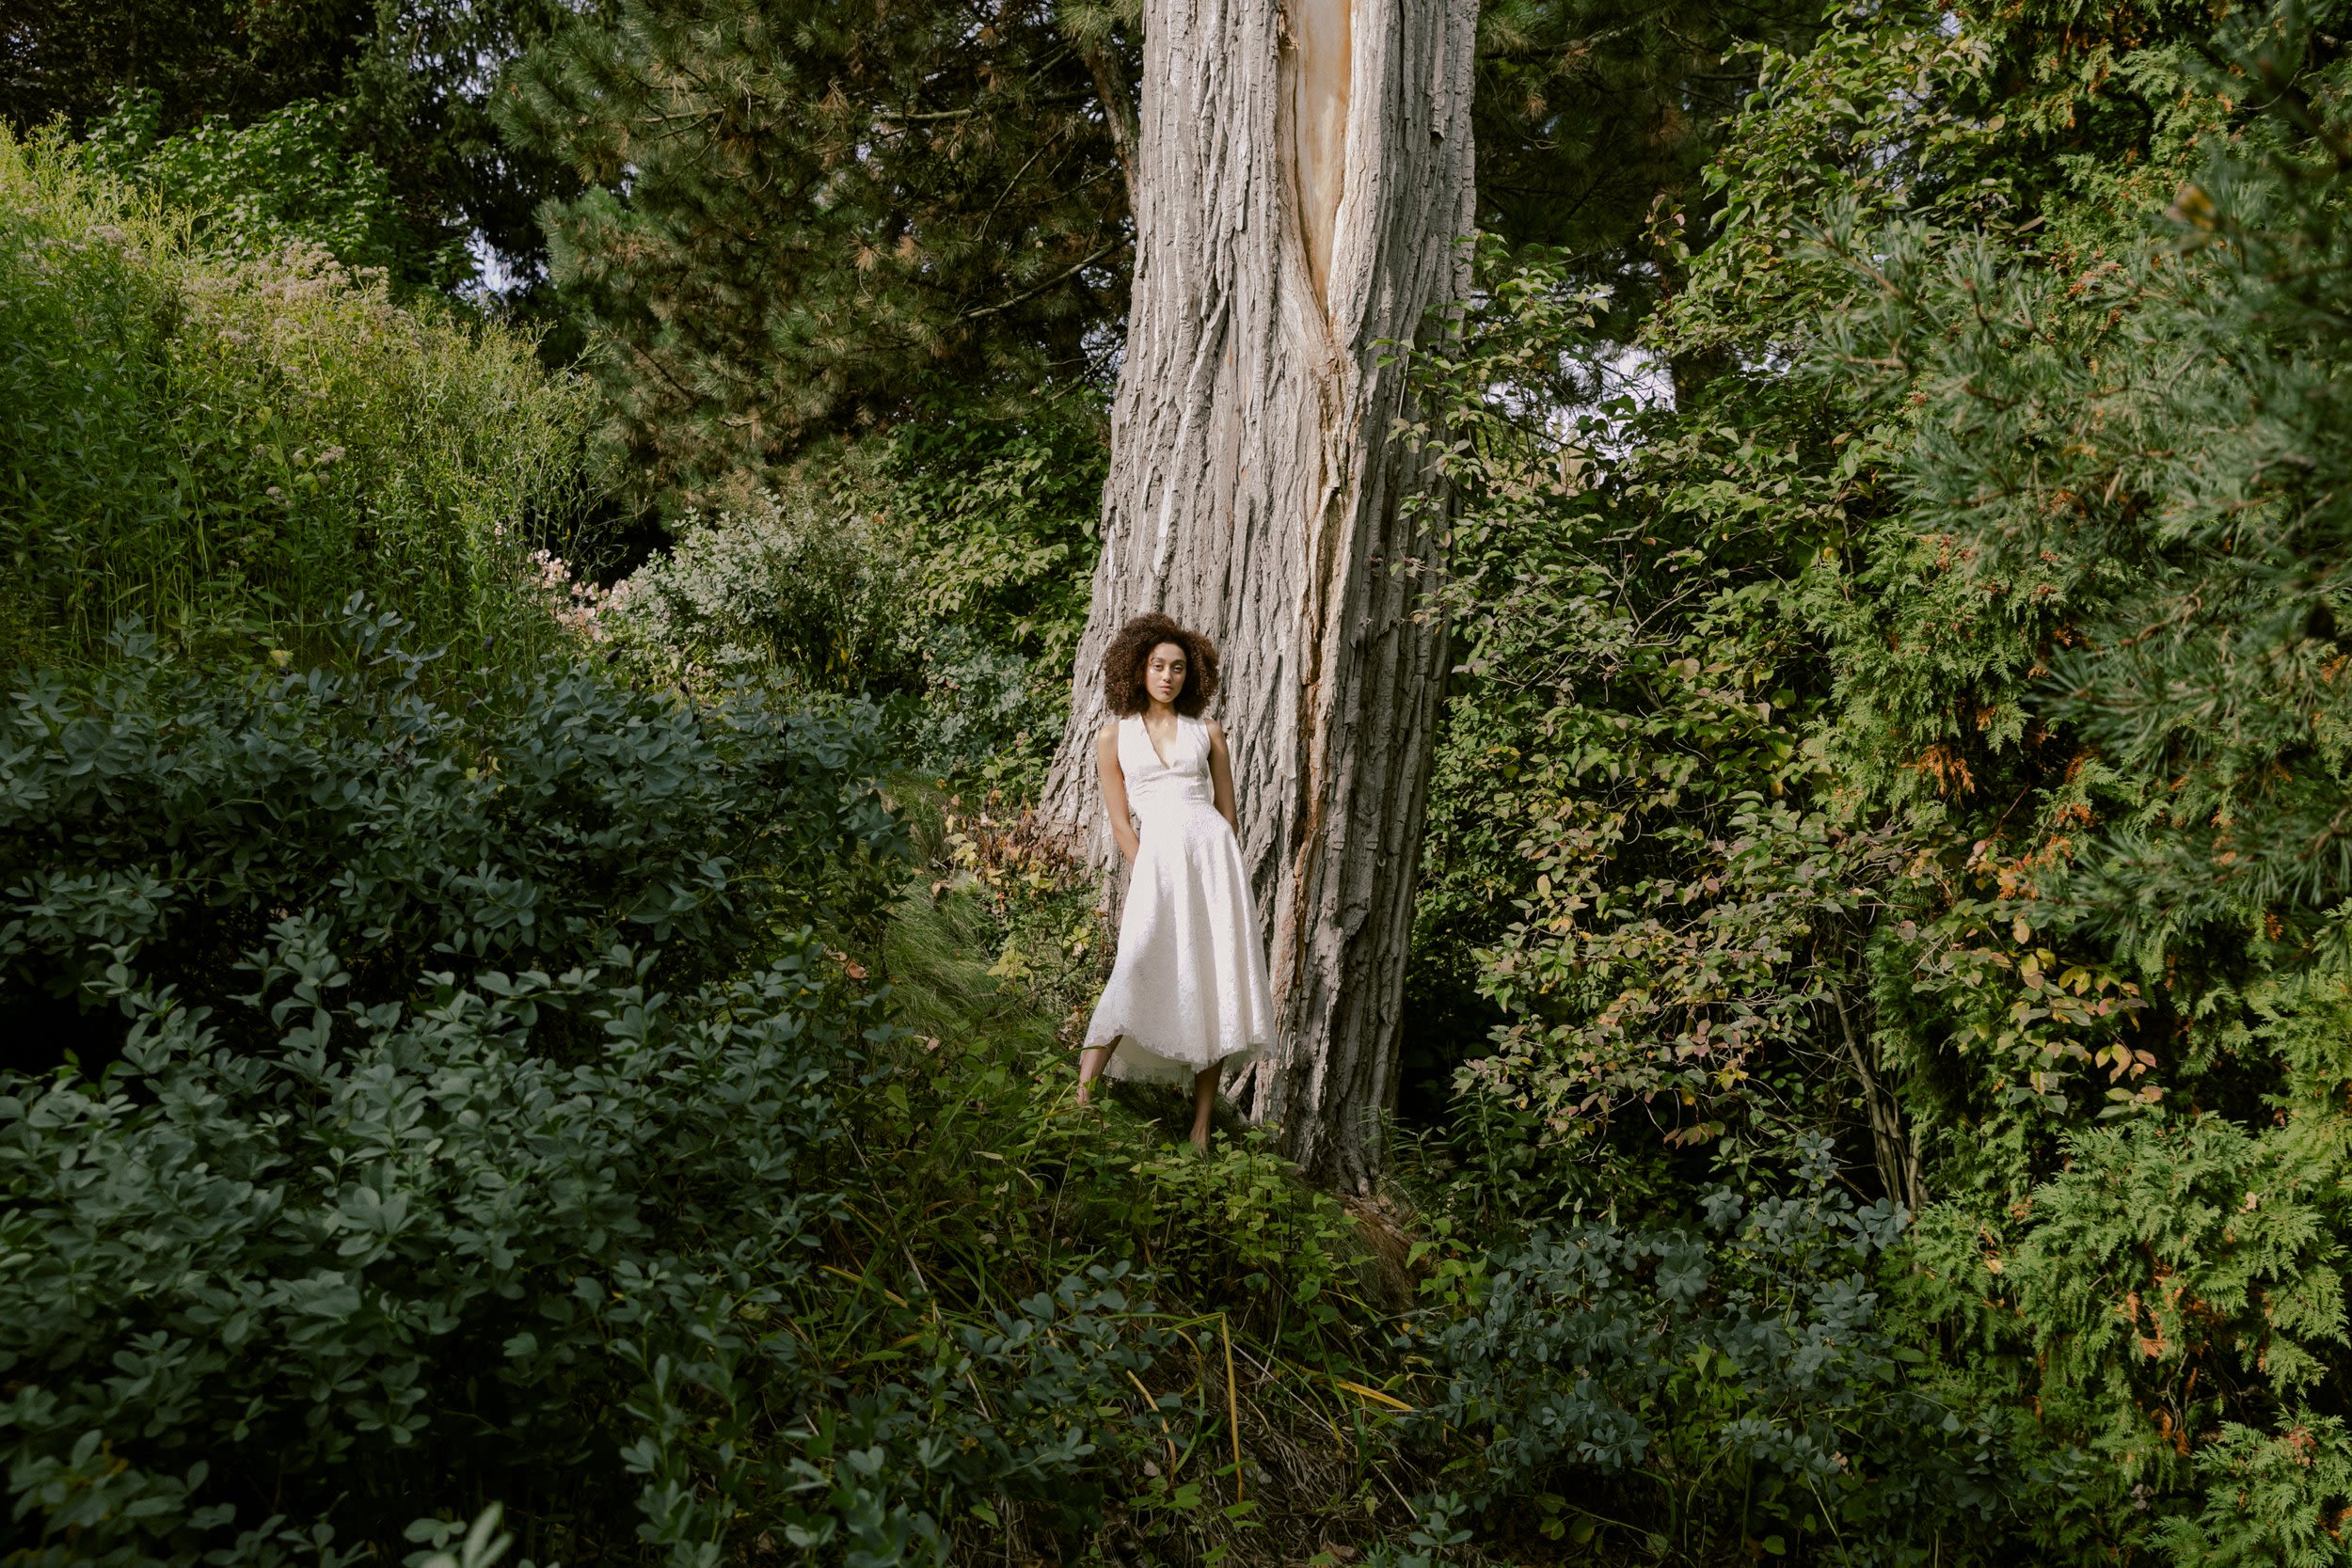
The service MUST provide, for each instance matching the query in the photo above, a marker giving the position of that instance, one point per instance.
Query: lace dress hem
(1140, 1061)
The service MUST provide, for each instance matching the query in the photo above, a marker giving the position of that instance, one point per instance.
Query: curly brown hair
(1123, 661)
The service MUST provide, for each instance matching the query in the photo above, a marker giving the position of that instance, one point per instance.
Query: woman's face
(1163, 673)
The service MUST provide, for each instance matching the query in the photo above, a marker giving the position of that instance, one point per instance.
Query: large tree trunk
(1302, 200)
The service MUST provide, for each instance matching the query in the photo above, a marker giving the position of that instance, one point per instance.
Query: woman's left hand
(1221, 775)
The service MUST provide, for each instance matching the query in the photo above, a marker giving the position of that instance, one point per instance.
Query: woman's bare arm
(1115, 790)
(1221, 775)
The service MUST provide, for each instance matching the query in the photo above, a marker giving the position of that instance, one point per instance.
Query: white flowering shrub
(796, 589)
(940, 568)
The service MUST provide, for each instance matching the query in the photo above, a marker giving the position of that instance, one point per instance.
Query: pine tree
(422, 97)
(1594, 117)
(804, 216)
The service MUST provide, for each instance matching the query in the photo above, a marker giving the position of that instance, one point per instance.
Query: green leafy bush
(404, 1258)
(2173, 1301)
(290, 176)
(219, 447)
(2150, 437)
(999, 519)
(1000, 516)
(1739, 1376)
(400, 1253)
(487, 1121)
(158, 824)
(1643, 886)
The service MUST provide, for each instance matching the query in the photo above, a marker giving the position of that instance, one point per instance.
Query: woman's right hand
(1114, 780)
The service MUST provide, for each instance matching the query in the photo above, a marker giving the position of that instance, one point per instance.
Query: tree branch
(1032, 293)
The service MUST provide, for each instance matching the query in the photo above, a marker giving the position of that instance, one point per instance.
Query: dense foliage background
(545, 547)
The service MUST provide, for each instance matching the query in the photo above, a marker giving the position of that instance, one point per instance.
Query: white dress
(1189, 987)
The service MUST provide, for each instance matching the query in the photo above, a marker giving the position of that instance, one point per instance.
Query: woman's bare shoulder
(1108, 732)
(1217, 731)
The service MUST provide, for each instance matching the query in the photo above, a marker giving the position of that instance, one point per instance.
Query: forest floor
(1289, 1393)
(1286, 1392)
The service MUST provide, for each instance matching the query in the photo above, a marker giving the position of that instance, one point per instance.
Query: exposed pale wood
(1321, 39)
(1303, 185)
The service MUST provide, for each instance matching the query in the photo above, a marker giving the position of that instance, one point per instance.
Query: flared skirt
(1188, 989)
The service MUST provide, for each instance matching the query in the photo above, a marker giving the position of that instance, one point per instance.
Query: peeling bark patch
(1316, 63)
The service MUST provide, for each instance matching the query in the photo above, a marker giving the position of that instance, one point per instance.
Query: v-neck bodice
(1164, 792)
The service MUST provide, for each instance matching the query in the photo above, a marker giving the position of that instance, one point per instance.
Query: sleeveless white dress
(1188, 990)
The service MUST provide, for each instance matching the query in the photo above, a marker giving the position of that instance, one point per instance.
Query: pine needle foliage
(802, 215)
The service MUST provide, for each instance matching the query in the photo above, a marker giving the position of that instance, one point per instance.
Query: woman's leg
(1203, 1101)
(1090, 1062)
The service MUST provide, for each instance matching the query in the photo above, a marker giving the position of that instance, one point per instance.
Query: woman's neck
(1159, 710)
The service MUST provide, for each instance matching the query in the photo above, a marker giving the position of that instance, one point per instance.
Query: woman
(1188, 993)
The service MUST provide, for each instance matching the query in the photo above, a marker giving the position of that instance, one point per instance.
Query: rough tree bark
(1303, 185)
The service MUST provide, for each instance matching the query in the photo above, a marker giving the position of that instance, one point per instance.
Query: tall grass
(237, 445)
